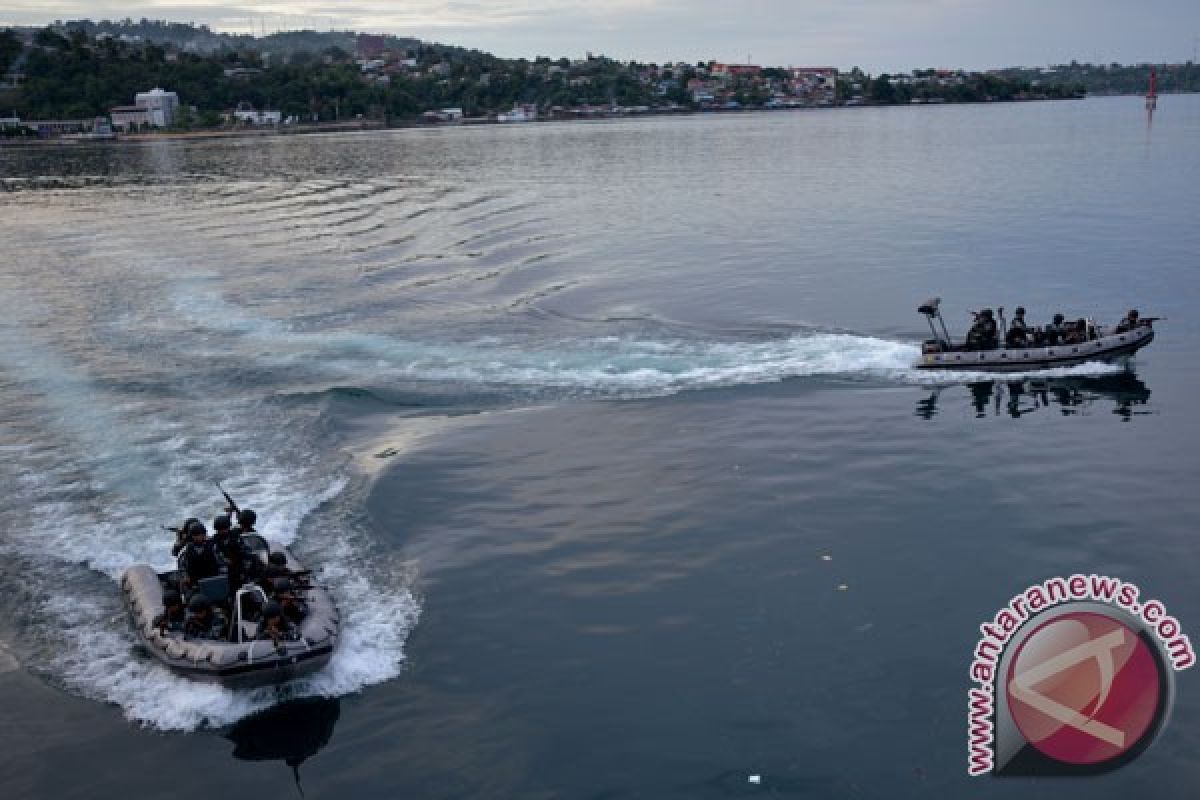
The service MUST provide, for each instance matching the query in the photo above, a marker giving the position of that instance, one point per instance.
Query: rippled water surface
(604, 436)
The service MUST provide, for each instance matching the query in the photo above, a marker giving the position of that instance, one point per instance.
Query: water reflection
(1067, 395)
(291, 733)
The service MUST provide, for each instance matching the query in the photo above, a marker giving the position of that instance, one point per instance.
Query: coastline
(375, 125)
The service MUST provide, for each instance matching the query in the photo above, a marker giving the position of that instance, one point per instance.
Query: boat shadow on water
(1070, 396)
(292, 733)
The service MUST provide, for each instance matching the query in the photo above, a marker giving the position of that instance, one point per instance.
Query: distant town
(88, 81)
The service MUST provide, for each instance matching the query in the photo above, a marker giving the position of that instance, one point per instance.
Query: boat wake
(653, 360)
(93, 470)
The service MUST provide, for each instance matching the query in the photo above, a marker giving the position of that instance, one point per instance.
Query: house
(57, 127)
(729, 72)
(520, 113)
(249, 116)
(814, 84)
(128, 118)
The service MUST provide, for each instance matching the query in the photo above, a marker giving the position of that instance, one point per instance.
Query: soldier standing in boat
(199, 559)
(983, 334)
(227, 540)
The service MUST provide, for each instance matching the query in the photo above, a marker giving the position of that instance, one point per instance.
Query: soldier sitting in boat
(1130, 322)
(1019, 333)
(173, 616)
(276, 567)
(293, 608)
(275, 626)
(1075, 332)
(1054, 332)
(983, 334)
(203, 621)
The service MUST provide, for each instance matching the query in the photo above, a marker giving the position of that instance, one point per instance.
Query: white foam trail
(625, 365)
(621, 365)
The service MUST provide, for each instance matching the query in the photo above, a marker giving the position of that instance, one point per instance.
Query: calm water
(604, 436)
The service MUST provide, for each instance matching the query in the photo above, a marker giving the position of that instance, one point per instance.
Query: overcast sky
(878, 35)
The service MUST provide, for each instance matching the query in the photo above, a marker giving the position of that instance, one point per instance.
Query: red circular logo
(1084, 688)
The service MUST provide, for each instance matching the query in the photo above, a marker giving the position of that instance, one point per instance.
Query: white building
(520, 113)
(251, 117)
(162, 106)
(128, 118)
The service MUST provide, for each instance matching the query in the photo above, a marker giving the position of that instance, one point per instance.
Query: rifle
(180, 535)
(232, 505)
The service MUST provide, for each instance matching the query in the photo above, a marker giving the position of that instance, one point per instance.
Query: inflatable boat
(1093, 343)
(241, 660)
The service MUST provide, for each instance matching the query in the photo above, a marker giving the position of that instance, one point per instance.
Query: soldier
(982, 335)
(173, 616)
(203, 622)
(1129, 322)
(275, 626)
(1018, 331)
(199, 559)
(293, 608)
(1055, 330)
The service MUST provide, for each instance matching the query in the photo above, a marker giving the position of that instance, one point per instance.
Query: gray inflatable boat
(1093, 343)
(242, 661)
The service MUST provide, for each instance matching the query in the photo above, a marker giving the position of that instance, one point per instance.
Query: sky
(877, 35)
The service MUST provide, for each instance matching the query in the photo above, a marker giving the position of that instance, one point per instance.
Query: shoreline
(374, 125)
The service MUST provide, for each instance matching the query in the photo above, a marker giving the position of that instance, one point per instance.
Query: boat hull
(1111, 347)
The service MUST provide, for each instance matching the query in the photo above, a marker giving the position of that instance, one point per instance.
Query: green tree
(882, 91)
(10, 48)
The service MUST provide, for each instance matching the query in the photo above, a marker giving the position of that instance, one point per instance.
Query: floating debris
(755, 779)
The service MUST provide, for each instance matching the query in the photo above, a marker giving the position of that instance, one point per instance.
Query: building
(444, 115)
(735, 71)
(520, 113)
(161, 105)
(249, 116)
(814, 84)
(57, 127)
(128, 118)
